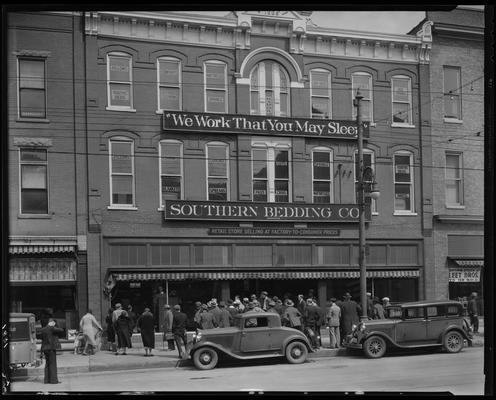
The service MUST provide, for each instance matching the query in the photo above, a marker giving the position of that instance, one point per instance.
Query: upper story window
(269, 89)
(402, 100)
(121, 159)
(403, 182)
(368, 162)
(322, 192)
(32, 88)
(454, 179)
(452, 93)
(363, 81)
(171, 170)
(270, 171)
(169, 84)
(119, 81)
(33, 166)
(215, 75)
(217, 155)
(320, 93)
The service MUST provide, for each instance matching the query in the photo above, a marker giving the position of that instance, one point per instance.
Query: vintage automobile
(419, 324)
(252, 336)
(22, 340)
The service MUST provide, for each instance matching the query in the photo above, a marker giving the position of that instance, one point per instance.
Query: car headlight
(361, 327)
(197, 337)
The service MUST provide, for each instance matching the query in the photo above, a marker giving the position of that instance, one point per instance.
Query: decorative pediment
(297, 20)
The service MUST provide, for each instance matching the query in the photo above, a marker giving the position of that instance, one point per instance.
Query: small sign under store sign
(273, 232)
(464, 275)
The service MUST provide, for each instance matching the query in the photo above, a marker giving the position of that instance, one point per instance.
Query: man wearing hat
(333, 317)
(168, 318)
(49, 340)
(385, 302)
(272, 307)
(378, 309)
(198, 310)
(179, 330)
(264, 300)
(350, 315)
(370, 306)
(473, 312)
(206, 318)
(225, 317)
(292, 317)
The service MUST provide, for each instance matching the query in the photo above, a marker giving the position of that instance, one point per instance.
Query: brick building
(456, 82)
(46, 164)
(222, 157)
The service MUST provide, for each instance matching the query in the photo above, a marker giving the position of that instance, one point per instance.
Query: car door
(436, 323)
(255, 335)
(412, 326)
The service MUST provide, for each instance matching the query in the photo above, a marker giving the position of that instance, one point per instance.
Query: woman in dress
(123, 329)
(110, 330)
(146, 326)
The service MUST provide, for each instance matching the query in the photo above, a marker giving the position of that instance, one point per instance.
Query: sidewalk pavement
(104, 360)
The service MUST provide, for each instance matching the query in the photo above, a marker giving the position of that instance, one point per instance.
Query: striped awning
(229, 275)
(469, 263)
(39, 249)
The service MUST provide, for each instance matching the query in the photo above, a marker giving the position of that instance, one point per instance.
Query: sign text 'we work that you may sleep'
(263, 125)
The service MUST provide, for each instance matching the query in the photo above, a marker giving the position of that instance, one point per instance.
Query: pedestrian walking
(333, 317)
(378, 309)
(146, 325)
(110, 331)
(159, 300)
(225, 317)
(179, 330)
(118, 310)
(292, 316)
(473, 312)
(49, 342)
(90, 327)
(350, 311)
(167, 328)
(123, 331)
(133, 317)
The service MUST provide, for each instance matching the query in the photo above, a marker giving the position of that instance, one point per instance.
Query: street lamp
(374, 194)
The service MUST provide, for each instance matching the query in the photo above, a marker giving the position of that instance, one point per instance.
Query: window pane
(32, 74)
(260, 164)
(400, 90)
(367, 162)
(402, 197)
(321, 192)
(215, 76)
(269, 102)
(33, 177)
(32, 103)
(120, 95)
(217, 189)
(171, 188)
(34, 201)
(283, 82)
(320, 107)
(216, 101)
(320, 83)
(362, 82)
(451, 80)
(402, 168)
(281, 164)
(453, 192)
(400, 112)
(217, 163)
(452, 106)
(284, 103)
(255, 103)
(260, 190)
(321, 165)
(169, 72)
(169, 98)
(452, 166)
(282, 191)
(121, 158)
(33, 155)
(119, 69)
(122, 189)
(171, 159)
(365, 110)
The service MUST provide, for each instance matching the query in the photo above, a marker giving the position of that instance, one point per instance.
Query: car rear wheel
(205, 358)
(296, 352)
(374, 347)
(453, 342)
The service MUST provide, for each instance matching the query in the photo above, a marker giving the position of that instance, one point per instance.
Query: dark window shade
(466, 245)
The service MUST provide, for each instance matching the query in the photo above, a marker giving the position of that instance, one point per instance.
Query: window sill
(40, 120)
(122, 208)
(404, 214)
(375, 213)
(453, 121)
(160, 112)
(125, 109)
(455, 207)
(397, 125)
(34, 216)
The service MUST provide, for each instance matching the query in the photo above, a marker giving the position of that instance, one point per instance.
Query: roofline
(425, 302)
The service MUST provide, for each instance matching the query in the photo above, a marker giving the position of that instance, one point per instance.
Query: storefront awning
(229, 275)
(24, 270)
(469, 263)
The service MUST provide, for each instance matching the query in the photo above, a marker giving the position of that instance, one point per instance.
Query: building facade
(456, 82)
(222, 158)
(46, 157)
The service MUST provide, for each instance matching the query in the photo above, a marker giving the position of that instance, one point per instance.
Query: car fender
(455, 328)
(221, 349)
(387, 338)
(299, 338)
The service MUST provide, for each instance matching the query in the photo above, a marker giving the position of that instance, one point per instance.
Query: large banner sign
(262, 125)
(240, 211)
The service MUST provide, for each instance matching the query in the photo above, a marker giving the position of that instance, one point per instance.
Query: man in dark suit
(179, 330)
(49, 342)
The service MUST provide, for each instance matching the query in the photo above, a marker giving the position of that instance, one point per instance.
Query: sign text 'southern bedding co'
(237, 211)
(263, 125)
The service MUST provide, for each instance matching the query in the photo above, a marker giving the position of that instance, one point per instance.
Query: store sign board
(303, 232)
(464, 275)
(244, 211)
(262, 125)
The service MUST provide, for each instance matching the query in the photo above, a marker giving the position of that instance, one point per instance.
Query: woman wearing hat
(124, 330)
(292, 315)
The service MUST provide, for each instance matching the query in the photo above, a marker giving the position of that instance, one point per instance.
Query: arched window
(169, 84)
(363, 81)
(403, 183)
(119, 81)
(217, 155)
(320, 93)
(121, 161)
(215, 80)
(269, 89)
(322, 175)
(401, 87)
(171, 170)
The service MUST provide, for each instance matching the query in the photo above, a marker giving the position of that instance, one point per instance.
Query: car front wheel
(374, 347)
(205, 358)
(453, 342)
(296, 352)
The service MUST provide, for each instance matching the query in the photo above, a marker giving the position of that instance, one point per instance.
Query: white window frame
(44, 163)
(457, 94)
(160, 85)
(411, 184)
(459, 180)
(207, 172)
(370, 99)
(111, 107)
(260, 69)
(322, 149)
(409, 102)
(328, 97)
(161, 172)
(224, 90)
(271, 145)
(39, 59)
(118, 206)
(373, 204)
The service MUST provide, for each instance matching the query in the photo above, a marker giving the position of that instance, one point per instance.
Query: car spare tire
(205, 358)
(296, 352)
